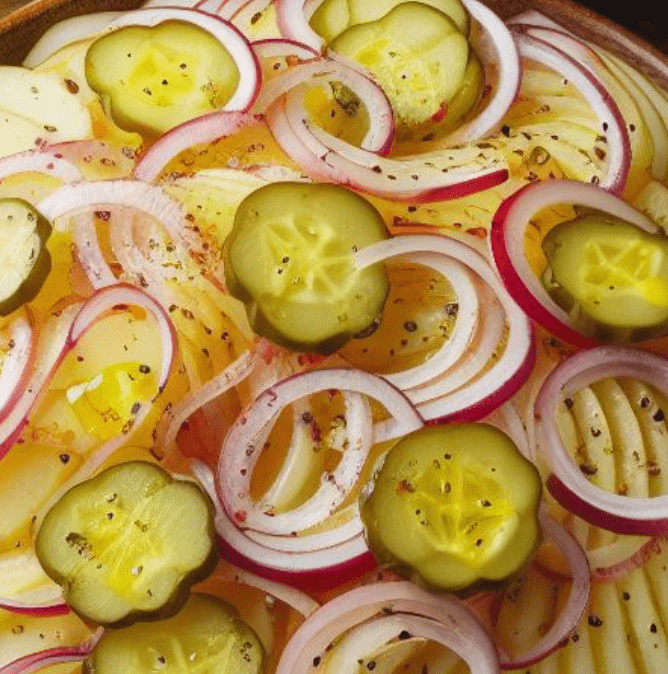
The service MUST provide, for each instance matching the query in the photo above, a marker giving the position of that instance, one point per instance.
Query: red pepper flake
(479, 232)
(240, 516)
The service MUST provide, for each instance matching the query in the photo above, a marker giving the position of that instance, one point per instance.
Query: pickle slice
(420, 69)
(614, 271)
(289, 257)
(206, 636)
(24, 258)
(128, 543)
(153, 79)
(334, 16)
(456, 507)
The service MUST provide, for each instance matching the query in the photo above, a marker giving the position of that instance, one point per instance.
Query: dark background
(644, 17)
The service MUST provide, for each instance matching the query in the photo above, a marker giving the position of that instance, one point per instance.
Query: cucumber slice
(206, 636)
(24, 258)
(128, 544)
(334, 16)
(456, 506)
(153, 79)
(614, 271)
(289, 258)
(420, 69)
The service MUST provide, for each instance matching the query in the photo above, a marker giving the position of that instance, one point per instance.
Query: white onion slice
(577, 602)
(507, 242)
(294, 598)
(241, 451)
(479, 396)
(228, 36)
(499, 48)
(53, 656)
(228, 8)
(620, 514)
(441, 618)
(612, 124)
(202, 130)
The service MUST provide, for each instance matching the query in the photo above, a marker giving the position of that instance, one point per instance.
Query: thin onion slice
(449, 397)
(294, 598)
(42, 161)
(241, 450)
(326, 561)
(620, 514)
(445, 174)
(507, 238)
(441, 618)
(277, 48)
(203, 130)
(294, 25)
(578, 598)
(232, 39)
(612, 124)
(18, 361)
(378, 138)
(53, 656)
(89, 253)
(499, 48)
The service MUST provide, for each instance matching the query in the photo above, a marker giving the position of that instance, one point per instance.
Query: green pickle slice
(455, 507)
(205, 637)
(128, 543)
(24, 258)
(152, 79)
(332, 17)
(419, 69)
(615, 272)
(289, 257)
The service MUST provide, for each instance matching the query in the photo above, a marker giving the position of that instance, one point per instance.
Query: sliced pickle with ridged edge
(419, 69)
(128, 543)
(455, 508)
(334, 16)
(152, 79)
(289, 258)
(207, 635)
(615, 272)
(25, 260)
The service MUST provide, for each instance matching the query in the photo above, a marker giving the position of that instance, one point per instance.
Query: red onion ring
(90, 255)
(230, 37)
(293, 24)
(328, 561)
(243, 18)
(39, 161)
(202, 130)
(238, 456)
(499, 48)
(53, 656)
(578, 599)
(20, 571)
(442, 618)
(620, 514)
(612, 122)
(446, 174)
(475, 398)
(275, 48)
(509, 226)
(378, 138)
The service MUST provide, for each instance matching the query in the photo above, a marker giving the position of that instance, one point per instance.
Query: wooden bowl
(20, 29)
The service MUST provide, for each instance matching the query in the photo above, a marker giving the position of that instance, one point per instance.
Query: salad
(332, 339)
